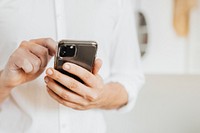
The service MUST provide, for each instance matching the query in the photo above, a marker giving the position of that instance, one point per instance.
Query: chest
(81, 20)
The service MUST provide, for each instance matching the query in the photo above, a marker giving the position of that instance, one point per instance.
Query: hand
(93, 94)
(27, 62)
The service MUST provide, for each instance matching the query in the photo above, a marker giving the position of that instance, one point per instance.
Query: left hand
(81, 96)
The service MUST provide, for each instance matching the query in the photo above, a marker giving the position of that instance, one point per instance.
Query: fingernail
(49, 72)
(46, 80)
(66, 66)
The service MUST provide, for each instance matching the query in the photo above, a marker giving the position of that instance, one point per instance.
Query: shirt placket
(64, 117)
(60, 19)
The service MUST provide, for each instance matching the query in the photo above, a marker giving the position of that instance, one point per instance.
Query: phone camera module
(67, 50)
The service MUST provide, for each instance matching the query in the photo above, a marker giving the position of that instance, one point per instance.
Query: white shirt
(30, 109)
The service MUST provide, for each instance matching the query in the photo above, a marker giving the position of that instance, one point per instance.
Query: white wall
(166, 104)
(168, 53)
(194, 42)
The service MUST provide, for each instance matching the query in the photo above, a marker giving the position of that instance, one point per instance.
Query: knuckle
(62, 102)
(65, 103)
(73, 85)
(23, 44)
(93, 97)
(64, 95)
(48, 40)
(87, 77)
(44, 52)
(85, 104)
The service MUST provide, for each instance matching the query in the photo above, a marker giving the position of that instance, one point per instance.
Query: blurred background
(169, 102)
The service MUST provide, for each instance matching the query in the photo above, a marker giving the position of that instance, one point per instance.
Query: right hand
(27, 62)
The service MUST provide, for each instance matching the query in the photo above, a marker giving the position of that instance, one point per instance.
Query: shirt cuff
(132, 92)
(132, 88)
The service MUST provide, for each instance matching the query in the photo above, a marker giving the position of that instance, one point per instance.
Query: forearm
(4, 91)
(116, 96)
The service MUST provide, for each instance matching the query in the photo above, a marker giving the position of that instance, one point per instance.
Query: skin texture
(31, 59)
(26, 63)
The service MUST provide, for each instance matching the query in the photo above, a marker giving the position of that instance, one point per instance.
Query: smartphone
(82, 53)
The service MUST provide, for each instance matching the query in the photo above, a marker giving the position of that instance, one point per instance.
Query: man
(30, 105)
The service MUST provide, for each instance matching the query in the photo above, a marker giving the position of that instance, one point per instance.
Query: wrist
(4, 90)
(115, 96)
(3, 82)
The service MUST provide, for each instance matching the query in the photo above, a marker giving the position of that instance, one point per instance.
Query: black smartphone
(82, 53)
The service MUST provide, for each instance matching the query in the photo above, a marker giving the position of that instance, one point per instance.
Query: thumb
(97, 65)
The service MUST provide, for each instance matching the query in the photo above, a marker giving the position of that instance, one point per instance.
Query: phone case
(84, 55)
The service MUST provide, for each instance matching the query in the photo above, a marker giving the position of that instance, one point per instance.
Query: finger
(65, 94)
(67, 81)
(24, 64)
(48, 43)
(26, 61)
(72, 84)
(64, 102)
(88, 78)
(41, 52)
(97, 66)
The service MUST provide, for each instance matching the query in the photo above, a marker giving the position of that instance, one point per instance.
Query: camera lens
(67, 50)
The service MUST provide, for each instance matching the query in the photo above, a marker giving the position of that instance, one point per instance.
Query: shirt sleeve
(125, 58)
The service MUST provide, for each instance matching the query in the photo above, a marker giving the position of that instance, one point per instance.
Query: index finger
(87, 77)
(48, 43)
